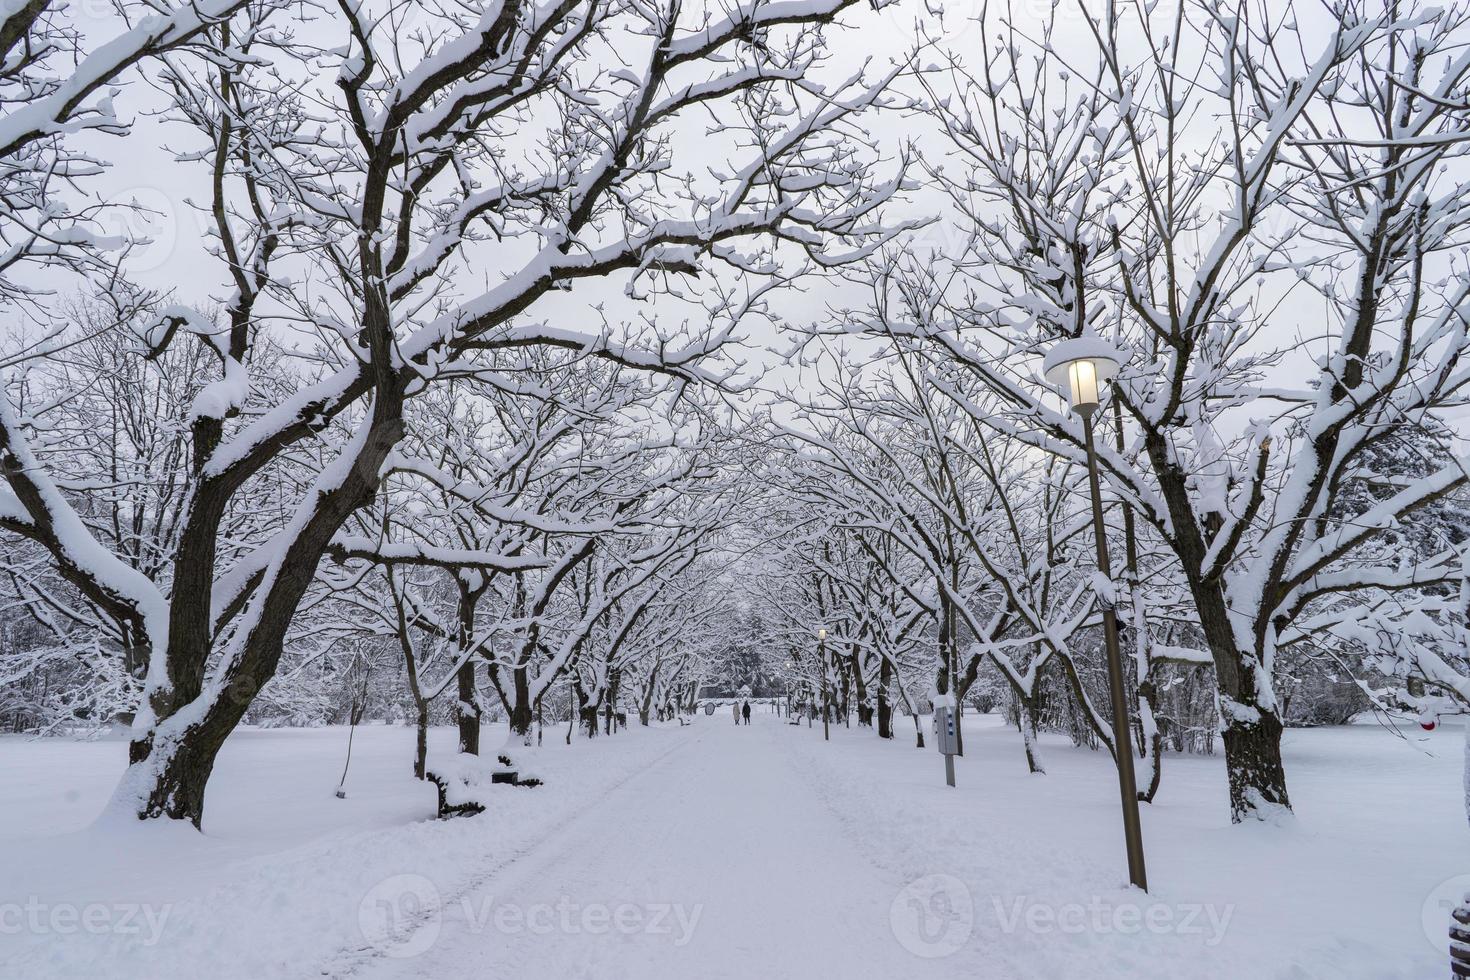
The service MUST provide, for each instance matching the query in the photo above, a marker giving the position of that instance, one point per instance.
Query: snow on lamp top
(1080, 367)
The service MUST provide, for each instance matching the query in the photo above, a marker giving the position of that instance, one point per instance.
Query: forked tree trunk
(521, 715)
(170, 763)
(647, 702)
(1250, 731)
(180, 771)
(585, 710)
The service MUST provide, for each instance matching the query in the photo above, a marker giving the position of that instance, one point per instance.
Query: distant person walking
(735, 711)
(745, 710)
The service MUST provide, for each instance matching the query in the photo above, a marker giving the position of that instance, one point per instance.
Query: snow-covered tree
(356, 208)
(1285, 215)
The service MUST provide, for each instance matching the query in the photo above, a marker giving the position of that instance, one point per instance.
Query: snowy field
(717, 851)
(1104, 361)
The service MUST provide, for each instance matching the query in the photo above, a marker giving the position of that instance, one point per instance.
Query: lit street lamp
(1081, 368)
(822, 663)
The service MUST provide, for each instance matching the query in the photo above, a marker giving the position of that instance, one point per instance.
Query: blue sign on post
(946, 738)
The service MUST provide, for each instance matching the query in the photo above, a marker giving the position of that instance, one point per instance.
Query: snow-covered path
(717, 852)
(719, 861)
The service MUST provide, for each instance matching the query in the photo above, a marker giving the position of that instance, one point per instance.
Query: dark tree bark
(520, 713)
(860, 692)
(1152, 748)
(1026, 721)
(610, 700)
(421, 740)
(1250, 731)
(467, 709)
(648, 692)
(171, 764)
(885, 708)
(586, 709)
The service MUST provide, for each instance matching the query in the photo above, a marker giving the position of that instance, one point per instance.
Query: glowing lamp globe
(1081, 368)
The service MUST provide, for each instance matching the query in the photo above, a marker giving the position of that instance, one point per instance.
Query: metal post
(1122, 737)
(949, 768)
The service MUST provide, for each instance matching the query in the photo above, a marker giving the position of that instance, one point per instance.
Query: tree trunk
(611, 699)
(586, 709)
(180, 770)
(1151, 744)
(171, 761)
(1150, 739)
(860, 692)
(1253, 763)
(421, 740)
(466, 712)
(520, 714)
(1026, 711)
(949, 668)
(648, 694)
(885, 709)
(1250, 730)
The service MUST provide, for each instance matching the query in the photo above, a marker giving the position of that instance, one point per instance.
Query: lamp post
(1081, 367)
(822, 663)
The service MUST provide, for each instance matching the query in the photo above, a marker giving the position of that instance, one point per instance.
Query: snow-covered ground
(716, 851)
(1340, 891)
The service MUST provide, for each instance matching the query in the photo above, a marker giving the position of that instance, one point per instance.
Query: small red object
(1429, 724)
